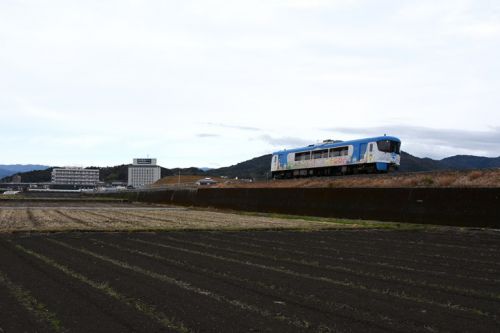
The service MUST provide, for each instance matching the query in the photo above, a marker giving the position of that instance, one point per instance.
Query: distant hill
(35, 176)
(458, 162)
(259, 168)
(118, 173)
(23, 167)
(11, 169)
(410, 163)
(5, 173)
(462, 162)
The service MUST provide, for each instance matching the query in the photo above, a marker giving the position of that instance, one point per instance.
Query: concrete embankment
(468, 207)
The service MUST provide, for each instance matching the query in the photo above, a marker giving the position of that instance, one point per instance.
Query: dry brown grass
(471, 178)
(50, 219)
(475, 175)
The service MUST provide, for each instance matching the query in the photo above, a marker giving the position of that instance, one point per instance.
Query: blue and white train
(378, 154)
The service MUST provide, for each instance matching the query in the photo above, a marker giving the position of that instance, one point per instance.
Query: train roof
(328, 144)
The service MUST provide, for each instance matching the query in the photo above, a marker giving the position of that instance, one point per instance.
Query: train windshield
(389, 146)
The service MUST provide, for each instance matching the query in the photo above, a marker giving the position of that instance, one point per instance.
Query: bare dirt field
(176, 269)
(251, 281)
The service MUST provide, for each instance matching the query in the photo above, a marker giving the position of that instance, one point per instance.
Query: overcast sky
(213, 83)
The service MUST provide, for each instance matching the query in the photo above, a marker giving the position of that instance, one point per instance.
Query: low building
(75, 176)
(206, 181)
(143, 172)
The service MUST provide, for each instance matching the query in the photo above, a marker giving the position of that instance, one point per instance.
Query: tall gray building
(75, 176)
(143, 171)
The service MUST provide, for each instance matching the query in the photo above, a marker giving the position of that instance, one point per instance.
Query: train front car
(378, 154)
(387, 155)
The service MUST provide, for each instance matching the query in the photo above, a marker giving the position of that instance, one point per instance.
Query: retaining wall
(470, 207)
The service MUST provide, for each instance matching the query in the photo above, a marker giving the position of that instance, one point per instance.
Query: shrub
(475, 175)
(447, 180)
(427, 181)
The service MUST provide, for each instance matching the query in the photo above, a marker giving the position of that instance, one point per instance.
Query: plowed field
(251, 281)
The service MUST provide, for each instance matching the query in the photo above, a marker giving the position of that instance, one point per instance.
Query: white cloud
(481, 30)
(116, 79)
(284, 142)
(435, 142)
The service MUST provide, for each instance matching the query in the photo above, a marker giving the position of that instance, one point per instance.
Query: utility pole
(179, 182)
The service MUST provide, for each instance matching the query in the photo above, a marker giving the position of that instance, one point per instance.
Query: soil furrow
(346, 286)
(293, 299)
(138, 305)
(298, 322)
(361, 257)
(425, 278)
(476, 255)
(379, 252)
(437, 239)
(197, 311)
(16, 318)
(419, 290)
(78, 307)
(32, 305)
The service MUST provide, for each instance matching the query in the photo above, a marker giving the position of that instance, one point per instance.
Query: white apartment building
(143, 171)
(75, 176)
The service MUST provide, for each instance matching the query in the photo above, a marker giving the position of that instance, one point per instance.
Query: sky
(211, 83)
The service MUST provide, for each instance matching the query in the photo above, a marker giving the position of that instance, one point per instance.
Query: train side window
(341, 151)
(303, 156)
(320, 154)
(371, 147)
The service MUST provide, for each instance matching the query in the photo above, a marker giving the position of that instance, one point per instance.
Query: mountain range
(259, 168)
(410, 163)
(12, 169)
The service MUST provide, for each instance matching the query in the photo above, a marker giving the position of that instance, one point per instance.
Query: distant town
(142, 173)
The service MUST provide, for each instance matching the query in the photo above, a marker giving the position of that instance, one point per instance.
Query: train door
(370, 153)
(283, 160)
(274, 163)
(362, 151)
